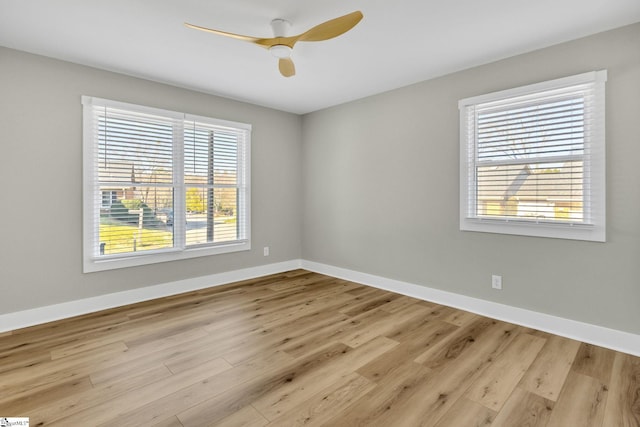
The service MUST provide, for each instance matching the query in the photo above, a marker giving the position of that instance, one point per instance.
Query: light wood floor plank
(184, 362)
(283, 338)
(399, 303)
(581, 403)
(494, 386)
(623, 405)
(245, 417)
(407, 331)
(549, 370)
(169, 422)
(375, 301)
(392, 390)
(70, 404)
(414, 343)
(594, 361)
(427, 401)
(467, 413)
(41, 398)
(244, 393)
(19, 360)
(113, 410)
(303, 344)
(455, 343)
(61, 332)
(385, 326)
(460, 318)
(139, 358)
(524, 408)
(273, 404)
(25, 381)
(323, 406)
(161, 408)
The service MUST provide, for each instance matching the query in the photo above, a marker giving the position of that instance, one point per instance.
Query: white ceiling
(396, 44)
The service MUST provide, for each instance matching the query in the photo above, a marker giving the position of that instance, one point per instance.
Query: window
(161, 185)
(109, 197)
(532, 160)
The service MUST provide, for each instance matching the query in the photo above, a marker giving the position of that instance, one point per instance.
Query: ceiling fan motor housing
(280, 27)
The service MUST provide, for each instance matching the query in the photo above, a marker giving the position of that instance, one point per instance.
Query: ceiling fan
(281, 45)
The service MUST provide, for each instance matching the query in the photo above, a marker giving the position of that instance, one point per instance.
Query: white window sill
(535, 229)
(113, 262)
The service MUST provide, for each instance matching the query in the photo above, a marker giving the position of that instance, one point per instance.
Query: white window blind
(215, 181)
(161, 185)
(532, 159)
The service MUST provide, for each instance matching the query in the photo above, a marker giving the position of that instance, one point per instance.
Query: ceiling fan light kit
(280, 51)
(281, 45)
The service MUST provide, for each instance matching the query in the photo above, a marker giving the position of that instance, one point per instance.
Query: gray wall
(381, 181)
(41, 181)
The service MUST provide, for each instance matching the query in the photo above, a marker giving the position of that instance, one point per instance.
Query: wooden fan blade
(286, 66)
(264, 42)
(330, 29)
(224, 33)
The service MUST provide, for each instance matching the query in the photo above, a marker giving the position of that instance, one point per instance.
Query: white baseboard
(605, 337)
(36, 316)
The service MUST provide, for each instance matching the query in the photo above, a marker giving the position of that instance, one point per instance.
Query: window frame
(93, 261)
(594, 175)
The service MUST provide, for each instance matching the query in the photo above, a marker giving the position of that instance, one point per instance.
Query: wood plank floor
(303, 349)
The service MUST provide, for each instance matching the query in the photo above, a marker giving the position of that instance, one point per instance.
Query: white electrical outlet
(496, 281)
(265, 251)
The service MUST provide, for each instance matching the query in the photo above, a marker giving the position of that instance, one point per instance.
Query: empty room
(331, 213)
